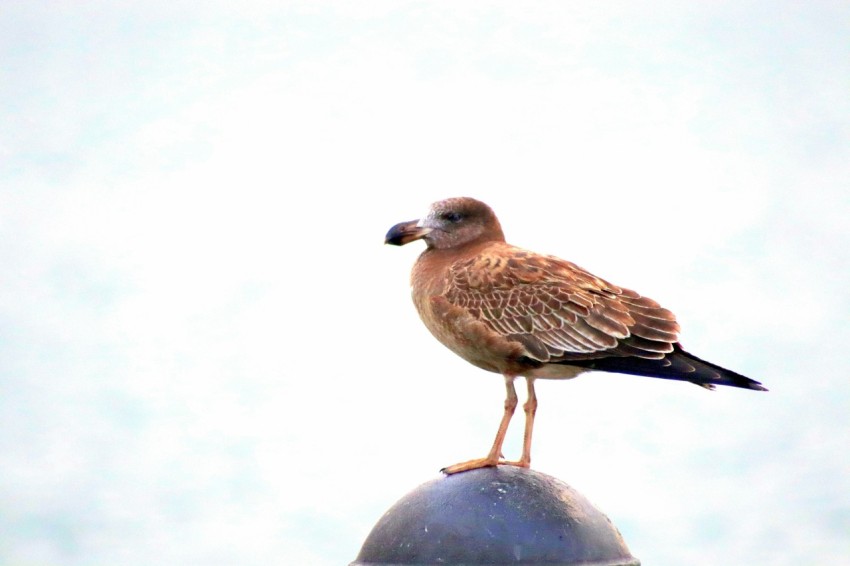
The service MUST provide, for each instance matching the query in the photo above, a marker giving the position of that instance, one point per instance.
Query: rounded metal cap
(495, 516)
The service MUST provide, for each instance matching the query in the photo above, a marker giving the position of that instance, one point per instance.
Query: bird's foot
(470, 465)
(481, 463)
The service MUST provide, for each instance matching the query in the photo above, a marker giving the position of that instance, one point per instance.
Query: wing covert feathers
(556, 309)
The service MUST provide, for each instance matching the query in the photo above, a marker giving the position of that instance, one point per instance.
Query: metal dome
(495, 516)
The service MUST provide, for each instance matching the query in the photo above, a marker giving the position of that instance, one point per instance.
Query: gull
(514, 312)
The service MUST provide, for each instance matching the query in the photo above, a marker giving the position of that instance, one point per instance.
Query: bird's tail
(679, 365)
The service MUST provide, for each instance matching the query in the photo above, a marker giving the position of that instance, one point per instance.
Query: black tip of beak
(396, 235)
(404, 232)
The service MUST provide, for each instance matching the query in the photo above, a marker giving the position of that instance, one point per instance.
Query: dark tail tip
(706, 373)
(678, 365)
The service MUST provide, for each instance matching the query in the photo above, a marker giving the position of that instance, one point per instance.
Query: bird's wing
(557, 310)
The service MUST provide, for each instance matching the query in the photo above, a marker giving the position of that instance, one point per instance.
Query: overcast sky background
(207, 356)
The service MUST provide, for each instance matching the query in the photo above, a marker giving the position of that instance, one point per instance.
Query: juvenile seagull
(518, 313)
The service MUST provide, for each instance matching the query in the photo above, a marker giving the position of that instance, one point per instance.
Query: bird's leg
(530, 409)
(495, 453)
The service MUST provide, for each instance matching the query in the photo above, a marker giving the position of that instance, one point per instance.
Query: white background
(207, 356)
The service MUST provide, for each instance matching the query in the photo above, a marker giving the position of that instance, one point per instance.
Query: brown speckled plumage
(518, 313)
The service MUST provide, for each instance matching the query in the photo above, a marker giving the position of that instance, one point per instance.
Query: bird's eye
(453, 217)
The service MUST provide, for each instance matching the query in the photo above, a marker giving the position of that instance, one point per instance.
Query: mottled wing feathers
(557, 310)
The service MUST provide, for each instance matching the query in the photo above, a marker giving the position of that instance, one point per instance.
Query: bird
(518, 313)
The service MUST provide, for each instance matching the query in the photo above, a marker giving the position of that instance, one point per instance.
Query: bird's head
(450, 223)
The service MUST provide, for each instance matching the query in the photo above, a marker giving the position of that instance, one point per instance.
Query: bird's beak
(406, 232)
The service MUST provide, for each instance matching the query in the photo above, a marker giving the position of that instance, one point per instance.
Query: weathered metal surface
(494, 516)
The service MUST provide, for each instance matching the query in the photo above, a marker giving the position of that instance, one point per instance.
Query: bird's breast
(467, 337)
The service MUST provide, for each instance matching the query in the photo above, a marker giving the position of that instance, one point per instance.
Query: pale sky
(209, 357)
